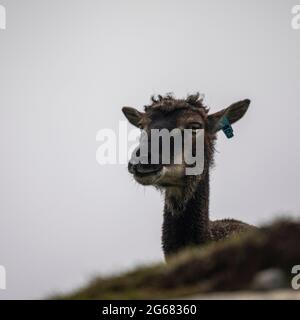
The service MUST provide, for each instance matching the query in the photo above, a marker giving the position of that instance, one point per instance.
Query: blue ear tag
(226, 127)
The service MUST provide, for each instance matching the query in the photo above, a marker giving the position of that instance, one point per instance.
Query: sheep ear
(133, 115)
(233, 113)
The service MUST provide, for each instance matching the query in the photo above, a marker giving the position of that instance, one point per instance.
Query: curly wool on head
(169, 103)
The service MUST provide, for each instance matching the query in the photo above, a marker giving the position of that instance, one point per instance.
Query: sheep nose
(131, 168)
(144, 169)
(141, 164)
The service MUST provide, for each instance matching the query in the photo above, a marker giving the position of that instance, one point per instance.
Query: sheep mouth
(143, 172)
(148, 172)
(163, 177)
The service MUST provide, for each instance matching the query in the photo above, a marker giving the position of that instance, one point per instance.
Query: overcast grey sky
(66, 69)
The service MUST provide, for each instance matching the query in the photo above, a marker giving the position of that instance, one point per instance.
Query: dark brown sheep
(186, 211)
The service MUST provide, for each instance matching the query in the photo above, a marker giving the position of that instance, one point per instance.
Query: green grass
(224, 266)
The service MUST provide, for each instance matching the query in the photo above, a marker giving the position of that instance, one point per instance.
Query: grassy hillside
(224, 266)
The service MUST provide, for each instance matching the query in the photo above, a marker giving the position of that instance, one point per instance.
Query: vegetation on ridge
(223, 266)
